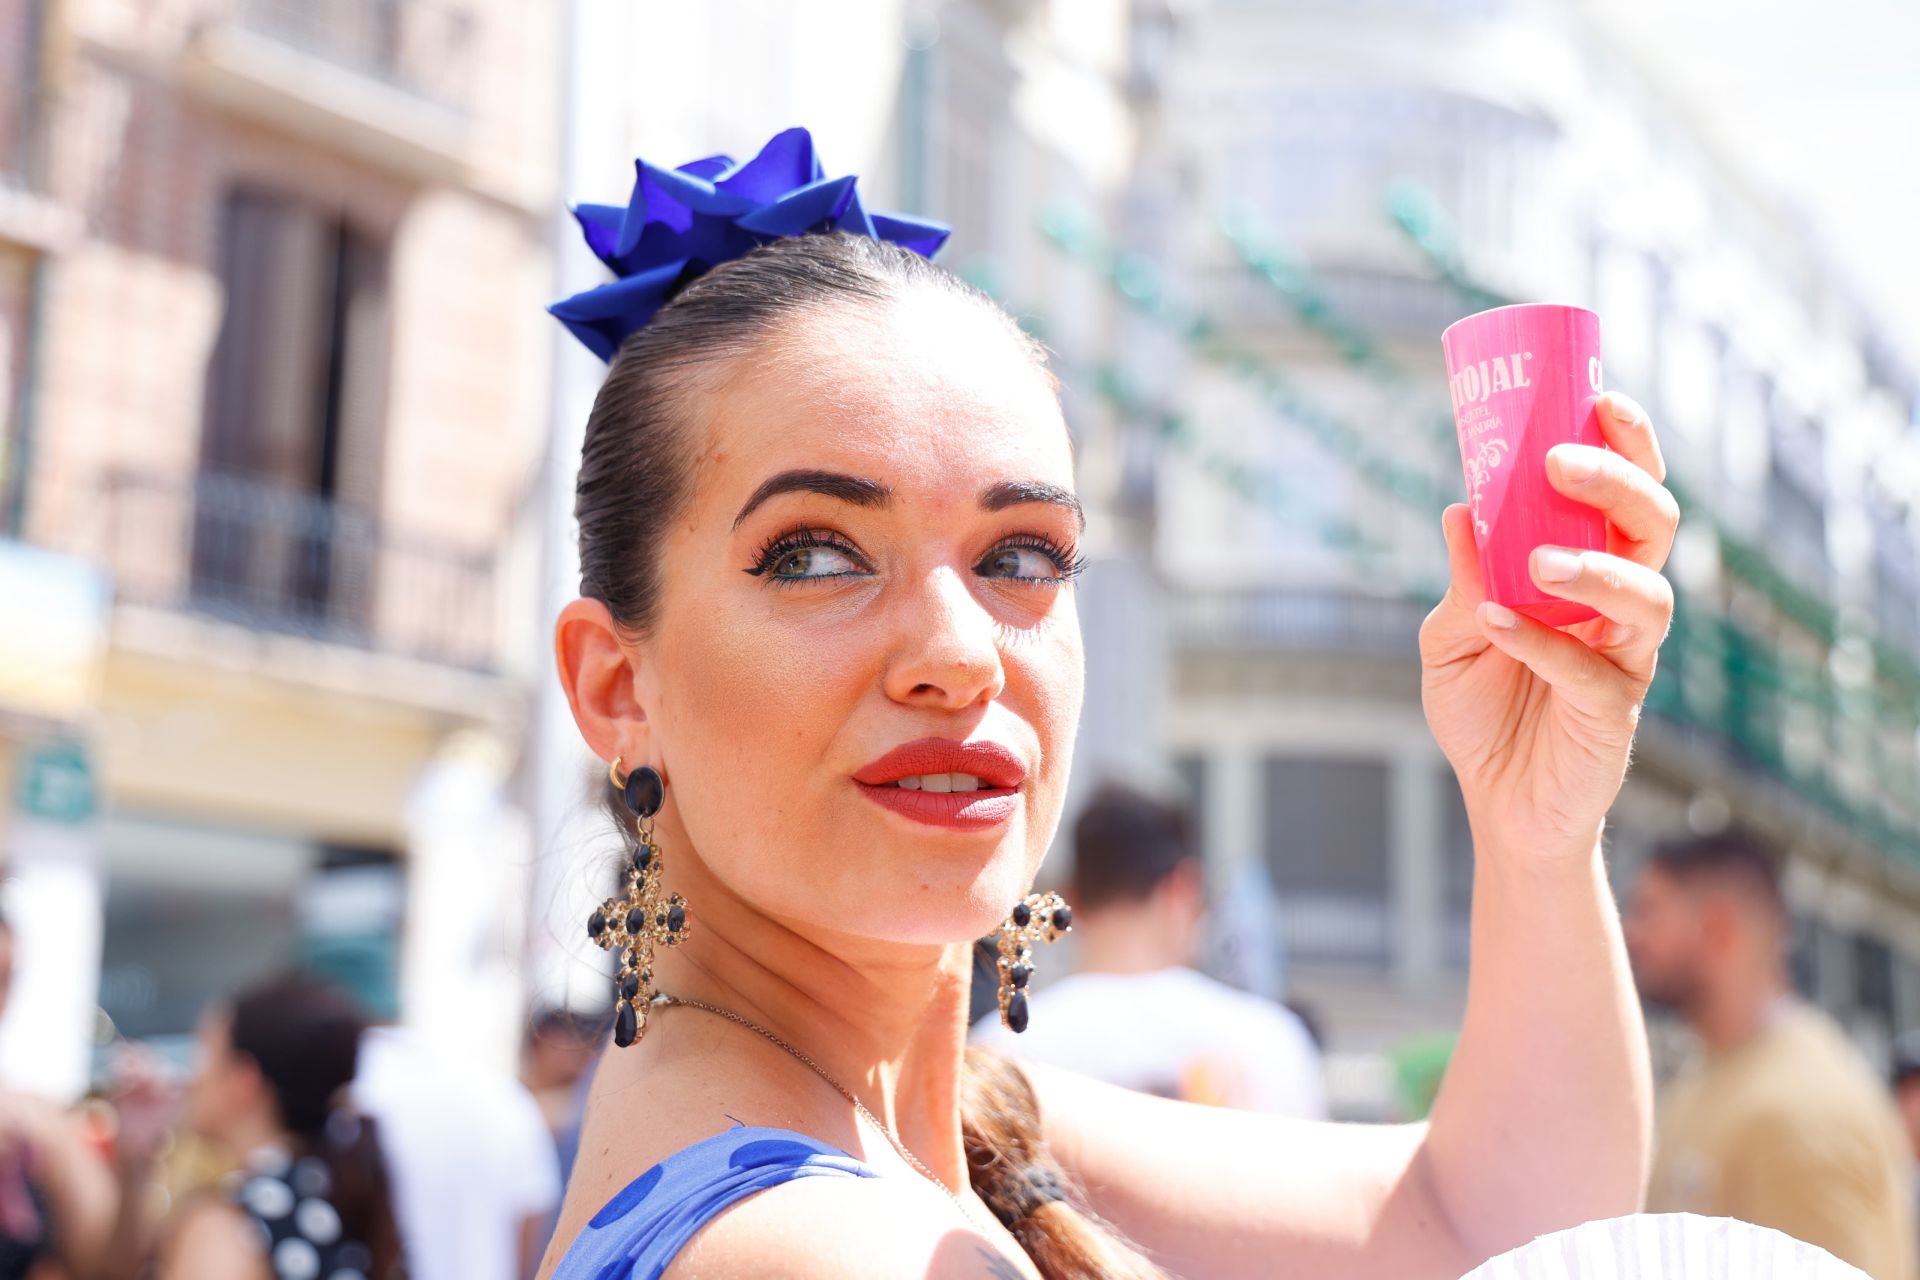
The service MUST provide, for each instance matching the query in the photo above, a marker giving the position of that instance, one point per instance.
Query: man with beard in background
(1778, 1120)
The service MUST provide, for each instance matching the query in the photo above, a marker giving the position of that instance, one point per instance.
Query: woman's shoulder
(880, 1228)
(755, 1200)
(212, 1237)
(742, 1158)
(663, 1131)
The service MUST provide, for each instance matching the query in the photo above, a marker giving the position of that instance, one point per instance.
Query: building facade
(289, 446)
(1322, 189)
(270, 289)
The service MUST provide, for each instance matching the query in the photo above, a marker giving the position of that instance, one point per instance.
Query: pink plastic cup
(1524, 379)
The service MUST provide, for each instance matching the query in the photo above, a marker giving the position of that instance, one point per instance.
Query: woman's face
(224, 1081)
(876, 555)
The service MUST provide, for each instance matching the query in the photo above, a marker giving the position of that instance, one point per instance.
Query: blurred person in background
(475, 1175)
(1139, 898)
(556, 1066)
(308, 1196)
(1779, 1121)
(560, 1049)
(56, 1195)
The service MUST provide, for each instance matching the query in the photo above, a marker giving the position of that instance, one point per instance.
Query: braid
(1014, 1172)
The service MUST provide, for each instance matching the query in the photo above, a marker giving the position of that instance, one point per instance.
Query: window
(290, 448)
(1873, 978)
(1803, 956)
(1327, 848)
(1627, 292)
(1796, 512)
(1896, 577)
(22, 109)
(1690, 377)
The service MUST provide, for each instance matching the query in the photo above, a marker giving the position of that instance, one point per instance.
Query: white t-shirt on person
(467, 1152)
(1174, 1032)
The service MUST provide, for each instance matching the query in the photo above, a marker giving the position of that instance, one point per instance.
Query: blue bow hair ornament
(681, 223)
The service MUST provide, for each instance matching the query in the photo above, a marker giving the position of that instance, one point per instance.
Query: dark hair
(635, 468)
(563, 1025)
(1125, 843)
(637, 458)
(304, 1034)
(1732, 859)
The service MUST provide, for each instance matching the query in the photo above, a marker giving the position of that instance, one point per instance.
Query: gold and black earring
(635, 922)
(1039, 917)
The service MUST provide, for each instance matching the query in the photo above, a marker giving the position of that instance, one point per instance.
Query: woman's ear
(597, 671)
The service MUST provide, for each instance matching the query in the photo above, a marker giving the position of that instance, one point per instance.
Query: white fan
(1666, 1246)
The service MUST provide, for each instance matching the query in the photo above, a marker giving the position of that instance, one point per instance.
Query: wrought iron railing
(1335, 621)
(276, 559)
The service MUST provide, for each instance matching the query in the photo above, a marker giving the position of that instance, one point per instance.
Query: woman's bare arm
(213, 1241)
(1229, 1194)
(1544, 1120)
(1540, 1125)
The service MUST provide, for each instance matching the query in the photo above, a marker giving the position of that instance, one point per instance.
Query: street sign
(56, 783)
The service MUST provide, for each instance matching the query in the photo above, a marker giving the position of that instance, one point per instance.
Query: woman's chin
(944, 904)
(964, 912)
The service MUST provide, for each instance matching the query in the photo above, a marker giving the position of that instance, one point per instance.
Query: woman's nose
(946, 651)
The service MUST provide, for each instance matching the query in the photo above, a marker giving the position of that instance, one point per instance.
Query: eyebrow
(862, 492)
(857, 490)
(1012, 493)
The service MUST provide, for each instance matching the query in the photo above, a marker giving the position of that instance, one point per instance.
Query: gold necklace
(842, 1090)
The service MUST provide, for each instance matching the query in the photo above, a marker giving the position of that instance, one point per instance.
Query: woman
(310, 1199)
(828, 534)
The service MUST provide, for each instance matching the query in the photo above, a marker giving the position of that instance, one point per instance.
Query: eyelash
(1067, 562)
(797, 540)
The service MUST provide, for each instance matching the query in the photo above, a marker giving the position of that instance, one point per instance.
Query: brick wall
(135, 308)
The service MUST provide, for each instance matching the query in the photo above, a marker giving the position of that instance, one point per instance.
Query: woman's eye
(1029, 563)
(814, 562)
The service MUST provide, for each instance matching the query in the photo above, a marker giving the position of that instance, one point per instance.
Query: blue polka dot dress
(640, 1230)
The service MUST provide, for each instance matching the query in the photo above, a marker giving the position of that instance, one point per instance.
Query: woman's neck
(887, 1021)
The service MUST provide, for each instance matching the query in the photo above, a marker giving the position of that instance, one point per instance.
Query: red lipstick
(999, 769)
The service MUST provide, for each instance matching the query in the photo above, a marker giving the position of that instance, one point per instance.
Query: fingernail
(1579, 467)
(1622, 408)
(1498, 615)
(1554, 565)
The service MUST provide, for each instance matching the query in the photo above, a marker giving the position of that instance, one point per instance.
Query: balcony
(1316, 175)
(280, 561)
(1298, 621)
(388, 81)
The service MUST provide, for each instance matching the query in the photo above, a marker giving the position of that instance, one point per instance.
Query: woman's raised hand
(1538, 722)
